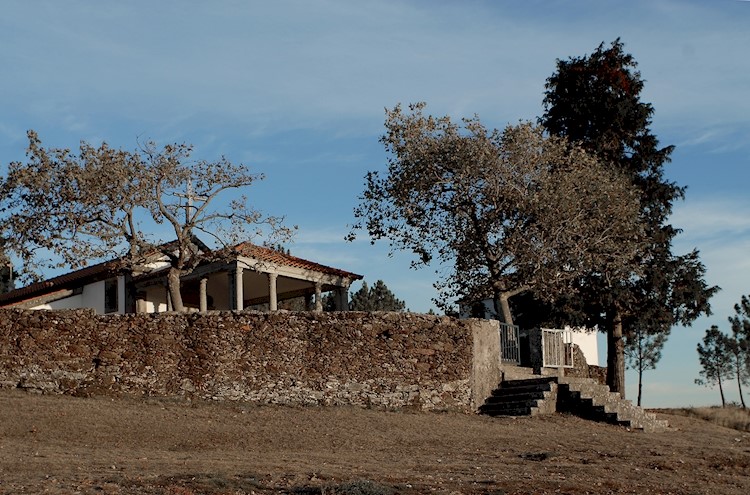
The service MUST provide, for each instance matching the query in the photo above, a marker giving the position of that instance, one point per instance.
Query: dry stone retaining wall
(369, 359)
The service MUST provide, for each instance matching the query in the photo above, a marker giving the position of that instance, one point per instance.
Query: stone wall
(368, 359)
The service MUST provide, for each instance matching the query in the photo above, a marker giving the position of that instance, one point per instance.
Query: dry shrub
(729, 417)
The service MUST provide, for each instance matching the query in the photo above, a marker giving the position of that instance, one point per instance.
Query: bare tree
(105, 201)
(502, 212)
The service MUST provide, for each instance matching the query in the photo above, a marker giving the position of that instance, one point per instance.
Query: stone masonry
(387, 360)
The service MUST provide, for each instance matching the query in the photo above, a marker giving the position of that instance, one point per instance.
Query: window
(110, 296)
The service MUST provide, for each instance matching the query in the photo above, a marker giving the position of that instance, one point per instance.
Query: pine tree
(643, 351)
(377, 298)
(738, 344)
(715, 360)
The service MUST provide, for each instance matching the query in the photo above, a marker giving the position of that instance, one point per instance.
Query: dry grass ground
(729, 417)
(64, 445)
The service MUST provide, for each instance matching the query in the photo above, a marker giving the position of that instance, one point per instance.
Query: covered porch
(256, 278)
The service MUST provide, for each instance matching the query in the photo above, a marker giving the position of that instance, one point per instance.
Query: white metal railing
(557, 348)
(509, 348)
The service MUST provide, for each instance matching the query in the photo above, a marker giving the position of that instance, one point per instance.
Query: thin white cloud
(713, 220)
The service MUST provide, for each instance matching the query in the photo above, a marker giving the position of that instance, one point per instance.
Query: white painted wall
(91, 297)
(587, 341)
(156, 299)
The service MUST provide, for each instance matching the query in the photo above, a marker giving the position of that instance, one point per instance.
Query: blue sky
(297, 90)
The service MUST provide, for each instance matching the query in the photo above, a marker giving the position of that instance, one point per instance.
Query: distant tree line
(376, 298)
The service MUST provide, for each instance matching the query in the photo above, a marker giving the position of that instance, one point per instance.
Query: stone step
(543, 380)
(522, 389)
(526, 395)
(612, 408)
(511, 397)
(534, 395)
(519, 410)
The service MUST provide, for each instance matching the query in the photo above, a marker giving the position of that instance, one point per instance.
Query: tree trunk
(721, 391)
(173, 279)
(739, 385)
(640, 384)
(502, 307)
(616, 355)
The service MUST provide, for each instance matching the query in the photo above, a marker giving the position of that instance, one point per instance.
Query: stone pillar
(318, 297)
(486, 370)
(236, 296)
(272, 297)
(203, 304)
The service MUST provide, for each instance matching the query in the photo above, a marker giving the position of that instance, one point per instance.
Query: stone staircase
(588, 399)
(534, 394)
(524, 397)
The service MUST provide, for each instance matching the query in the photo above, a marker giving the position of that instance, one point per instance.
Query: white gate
(557, 348)
(509, 348)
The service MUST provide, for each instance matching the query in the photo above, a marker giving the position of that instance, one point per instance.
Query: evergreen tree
(715, 361)
(595, 101)
(643, 351)
(376, 298)
(738, 344)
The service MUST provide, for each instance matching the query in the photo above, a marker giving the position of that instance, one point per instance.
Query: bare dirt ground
(65, 445)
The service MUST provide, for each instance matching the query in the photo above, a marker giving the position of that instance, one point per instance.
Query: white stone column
(239, 299)
(121, 301)
(318, 297)
(203, 304)
(272, 296)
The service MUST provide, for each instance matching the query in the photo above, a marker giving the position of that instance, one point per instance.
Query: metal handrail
(557, 348)
(509, 344)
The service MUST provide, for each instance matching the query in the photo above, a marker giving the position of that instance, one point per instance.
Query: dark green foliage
(376, 298)
(595, 101)
(738, 344)
(714, 358)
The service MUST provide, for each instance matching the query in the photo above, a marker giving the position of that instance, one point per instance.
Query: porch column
(342, 297)
(318, 298)
(121, 294)
(272, 297)
(237, 296)
(239, 300)
(203, 303)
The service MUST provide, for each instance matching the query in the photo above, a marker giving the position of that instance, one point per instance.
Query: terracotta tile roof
(273, 256)
(68, 280)
(107, 269)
